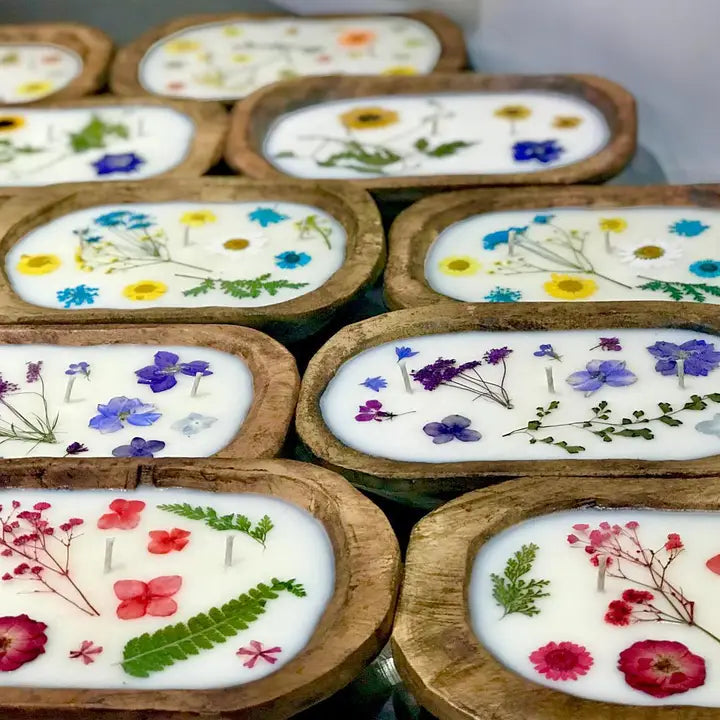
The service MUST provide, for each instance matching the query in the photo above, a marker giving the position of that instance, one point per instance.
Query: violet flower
(32, 373)
(699, 357)
(7, 387)
(496, 355)
(609, 344)
(452, 427)
(81, 368)
(120, 410)
(139, 448)
(601, 372)
(546, 350)
(161, 375)
(75, 448)
(375, 383)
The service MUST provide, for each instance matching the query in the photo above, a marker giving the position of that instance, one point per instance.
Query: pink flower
(581, 527)
(86, 652)
(21, 641)
(639, 597)
(125, 515)
(673, 542)
(256, 652)
(619, 613)
(661, 668)
(572, 539)
(152, 598)
(41, 506)
(632, 525)
(162, 542)
(561, 661)
(595, 560)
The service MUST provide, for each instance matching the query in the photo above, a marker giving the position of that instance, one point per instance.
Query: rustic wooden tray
(416, 228)
(92, 45)
(353, 629)
(253, 116)
(434, 647)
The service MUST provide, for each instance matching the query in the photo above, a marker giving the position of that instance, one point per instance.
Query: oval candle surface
(534, 603)
(72, 610)
(619, 253)
(531, 395)
(177, 254)
(124, 142)
(121, 400)
(29, 72)
(436, 134)
(227, 60)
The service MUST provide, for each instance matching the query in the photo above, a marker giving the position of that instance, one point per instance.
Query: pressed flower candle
(167, 568)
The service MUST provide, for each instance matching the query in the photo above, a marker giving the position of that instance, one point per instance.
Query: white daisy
(650, 253)
(244, 243)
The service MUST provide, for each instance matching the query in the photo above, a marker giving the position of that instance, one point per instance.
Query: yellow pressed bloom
(197, 218)
(570, 287)
(616, 225)
(80, 263)
(566, 122)
(236, 244)
(241, 58)
(9, 123)
(513, 112)
(145, 290)
(459, 265)
(368, 118)
(38, 264)
(35, 87)
(177, 47)
(400, 70)
(232, 31)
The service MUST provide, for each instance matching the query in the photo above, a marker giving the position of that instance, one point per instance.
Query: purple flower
(496, 355)
(372, 410)
(609, 344)
(700, 357)
(7, 387)
(139, 448)
(81, 368)
(161, 375)
(375, 383)
(452, 427)
(75, 448)
(544, 152)
(33, 371)
(121, 409)
(601, 372)
(404, 352)
(547, 351)
(434, 374)
(117, 163)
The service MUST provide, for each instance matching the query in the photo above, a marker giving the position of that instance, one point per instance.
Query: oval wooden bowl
(288, 321)
(275, 375)
(92, 45)
(428, 484)
(416, 229)
(252, 118)
(435, 650)
(124, 78)
(352, 630)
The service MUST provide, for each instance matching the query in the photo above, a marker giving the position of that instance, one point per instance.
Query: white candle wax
(602, 377)
(128, 142)
(566, 254)
(109, 408)
(151, 543)
(227, 60)
(435, 134)
(31, 71)
(575, 612)
(177, 254)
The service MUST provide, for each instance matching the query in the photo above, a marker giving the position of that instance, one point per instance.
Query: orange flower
(356, 38)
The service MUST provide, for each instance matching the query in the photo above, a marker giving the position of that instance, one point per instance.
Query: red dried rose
(125, 515)
(152, 598)
(661, 668)
(638, 597)
(619, 612)
(162, 542)
(561, 661)
(21, 641)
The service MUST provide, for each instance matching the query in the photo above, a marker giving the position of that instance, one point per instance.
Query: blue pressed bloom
(503, 295)
(543, 219)
(118, 163)
(139, 448)
(544, 151)
(493, 239)
(78, 295)
(75, 448)
(111, 219)
(120, 410)
(375, 383)
(710, 427)
(81, 368)
(403, 352)
(138, 221)
(290, 260)
(706, 268)
(688, 228)
(193, 423)
(266, 216)
(452, 427)
(699, 357)
(601, 372)
(547, 350)
(161, 375)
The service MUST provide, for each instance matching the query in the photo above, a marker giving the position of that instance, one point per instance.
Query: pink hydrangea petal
(165, 585)
(129, 589)
(131, 609)
(161, 607)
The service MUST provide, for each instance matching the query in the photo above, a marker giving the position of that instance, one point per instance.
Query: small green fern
(149, 653)
(680, 290)
(248, 288)
(514, 594)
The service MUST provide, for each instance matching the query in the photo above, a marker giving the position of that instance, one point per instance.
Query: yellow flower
(177, 47)
(513, 112)
(80, 263)
(368, 118)
(241, 58)
(236, 244)
(459, 265)
(197, 218)
(145, 290)
(616, 225)
(35, 87)
(400, 70)
(38, 264)
(11, 122)
(232, 31)
(570, 287)
(566, 122)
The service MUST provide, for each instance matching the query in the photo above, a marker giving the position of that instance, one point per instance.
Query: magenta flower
(257, 652)
(85, 652)
(21, 641)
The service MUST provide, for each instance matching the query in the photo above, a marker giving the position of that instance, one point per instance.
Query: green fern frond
(514, 594)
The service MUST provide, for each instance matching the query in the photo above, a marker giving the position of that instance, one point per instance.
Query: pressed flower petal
(131, 609)
(161, 607)
(164, 359)
(435, 429)
(456, 421)
(468, 435)
(442, 439)
(165, 585)
(129, 589)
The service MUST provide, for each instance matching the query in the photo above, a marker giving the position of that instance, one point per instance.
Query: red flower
(21, 640)
(632, 525)
(639, 597)
(153, 598)
(661, 668)
(673, 542)
(125, 515)
(256, 652)
(561, 661)
(713, 564)
(572, 539)
(86, 652)
(618, 613)
(162, 542)
(595, 560)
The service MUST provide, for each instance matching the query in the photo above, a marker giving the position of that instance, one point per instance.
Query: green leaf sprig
(679, 290)
(249, 288)
(511, 591)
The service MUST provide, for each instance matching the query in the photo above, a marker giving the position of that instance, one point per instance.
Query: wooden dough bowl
(428, 484)
(416, 229)
(353, 629)
(434, 647)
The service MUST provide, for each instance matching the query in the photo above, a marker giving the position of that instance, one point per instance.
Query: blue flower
(493, 239)
(116, 217)
(139, 448)
(542, 219)
(161, 375)
(688, 228)
(503, 295)
(404, 352)
(79, 295)
(139, 221)
(544, 151)
(119, 163)
(452, 427)
(193, 423)
(290, 260)
(122, 409)
(601, 372)
(266, 216)
(699, 357)
(706, 268)
(81, 368)
(547, 350)
(375, 383)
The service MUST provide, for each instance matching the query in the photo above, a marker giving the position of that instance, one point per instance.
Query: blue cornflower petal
(375, 383)
(706, 268)
(688, 228)
(544, 151)
(290, 260)
(493, 239)
(266, 216)
(404, 352)
(117, 163)
(543, 219)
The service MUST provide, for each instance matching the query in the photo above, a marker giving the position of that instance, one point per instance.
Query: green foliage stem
(680, 290)
(514, 594)
(251, 288)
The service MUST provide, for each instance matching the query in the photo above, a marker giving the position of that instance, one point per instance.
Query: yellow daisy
(197, 218)
(616, 224)
(177, 47)
(570, 287)
(400, 70)
(459, 265)
(566, 122)
(513, 112)
(145, 290)
(38, 264)
(8, 123)
(236, 244)
(368, 118)
(35, 87)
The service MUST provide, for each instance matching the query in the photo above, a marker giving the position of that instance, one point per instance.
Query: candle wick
(602, 569)
(608, 244)
(229, 541)
(406, 378)
(69, 387)
(511, 242)
(109, 542)
(681, 372)
(196, 383)
(550, 379)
